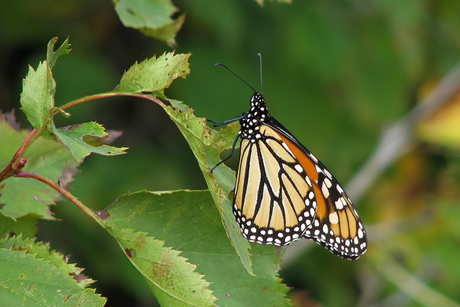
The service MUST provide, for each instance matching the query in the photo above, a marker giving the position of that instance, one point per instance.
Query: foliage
(33, 275)
(335, 73)
(129, 220)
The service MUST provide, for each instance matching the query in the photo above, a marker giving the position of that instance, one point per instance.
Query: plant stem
(21, 151)
(14, 164)
(109, 94)
(63, 192)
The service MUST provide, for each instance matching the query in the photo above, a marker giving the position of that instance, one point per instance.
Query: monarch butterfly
(283, 192)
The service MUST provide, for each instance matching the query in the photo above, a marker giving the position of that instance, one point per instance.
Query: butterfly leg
(216, 124)
(231, 153)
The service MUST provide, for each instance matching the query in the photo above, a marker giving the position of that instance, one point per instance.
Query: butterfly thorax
(257, 114)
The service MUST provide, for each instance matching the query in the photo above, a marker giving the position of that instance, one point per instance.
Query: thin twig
(110, 94)
(62, 191)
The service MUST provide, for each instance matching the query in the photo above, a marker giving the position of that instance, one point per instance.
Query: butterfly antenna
(261, 88)
(220, 64)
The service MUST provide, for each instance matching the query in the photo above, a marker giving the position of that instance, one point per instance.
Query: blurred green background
(334, 73)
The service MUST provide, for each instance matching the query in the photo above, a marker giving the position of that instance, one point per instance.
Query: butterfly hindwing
(337, 225)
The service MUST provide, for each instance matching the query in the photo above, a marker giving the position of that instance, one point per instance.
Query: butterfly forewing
(278, 207)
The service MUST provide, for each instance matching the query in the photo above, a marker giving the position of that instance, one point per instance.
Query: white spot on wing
(324, 189)
(360, 233)
(339, 188)
(298, 168)
(313, 157)
(318, 169)
(287, 149)
(338, 204)
(325, 171)
(333, 218)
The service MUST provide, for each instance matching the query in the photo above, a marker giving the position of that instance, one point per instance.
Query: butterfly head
(257, 114)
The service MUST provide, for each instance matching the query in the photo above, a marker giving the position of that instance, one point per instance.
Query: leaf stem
(110, 94)
(63, 192)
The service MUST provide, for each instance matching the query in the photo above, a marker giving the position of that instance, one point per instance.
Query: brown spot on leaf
(67, 177)
(102, 214)
(51, 213)
(112, 135)
(79, 277)
(131, 252)
(71, 127)
(66, 258)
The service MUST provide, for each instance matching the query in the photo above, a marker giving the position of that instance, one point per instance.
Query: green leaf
(52, 55)
(188, 221)
(37, 97)
(207, 144)
(39, 87)
(167, 32)
(22, 196)
(171, 278)
(73, 138)
(23, 263)
(154, 75)
(153, 18)
(41, 251)
(24, 225)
